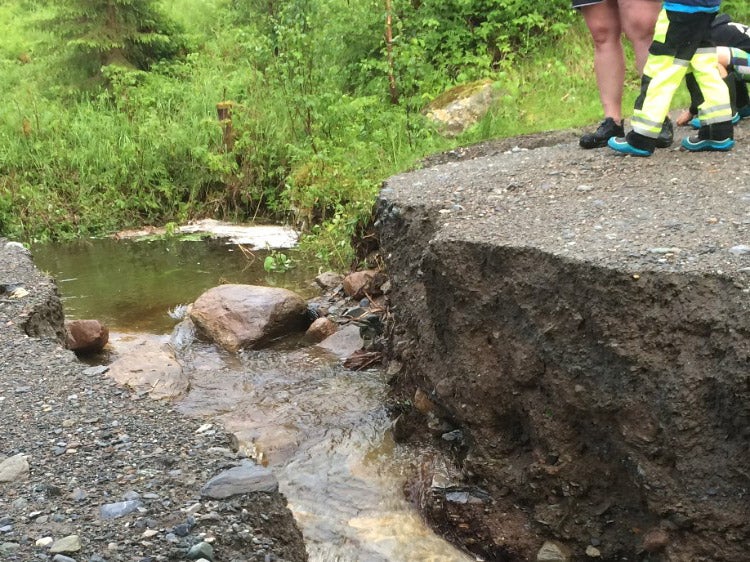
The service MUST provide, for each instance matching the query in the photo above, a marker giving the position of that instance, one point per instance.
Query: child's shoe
(697, 144)
(621, 144)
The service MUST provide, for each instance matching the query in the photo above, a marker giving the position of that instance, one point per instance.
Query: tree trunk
(389, 52)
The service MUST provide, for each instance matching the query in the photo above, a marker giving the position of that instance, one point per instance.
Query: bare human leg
(638, 18)
(603, 21)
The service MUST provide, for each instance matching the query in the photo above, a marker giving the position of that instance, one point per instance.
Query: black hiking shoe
(666, 135)
(607, 129)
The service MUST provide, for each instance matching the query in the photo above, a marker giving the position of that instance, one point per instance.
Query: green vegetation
(120, 113)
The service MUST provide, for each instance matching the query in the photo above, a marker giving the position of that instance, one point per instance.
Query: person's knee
(604, 33)
(639, 32)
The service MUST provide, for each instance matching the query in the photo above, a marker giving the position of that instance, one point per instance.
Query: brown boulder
(237, 316)
(86, 336)
(321, 329)
(364, 283)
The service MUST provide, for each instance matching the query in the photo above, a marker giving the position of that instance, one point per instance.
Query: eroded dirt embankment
(583, 320)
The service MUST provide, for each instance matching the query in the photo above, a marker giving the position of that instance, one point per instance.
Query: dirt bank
(573, 328)
(82, 447)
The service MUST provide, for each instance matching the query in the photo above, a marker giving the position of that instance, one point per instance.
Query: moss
(459, 92)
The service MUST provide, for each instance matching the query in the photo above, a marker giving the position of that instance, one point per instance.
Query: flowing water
(321, 428)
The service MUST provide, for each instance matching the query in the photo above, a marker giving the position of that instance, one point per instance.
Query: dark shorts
(581, 3)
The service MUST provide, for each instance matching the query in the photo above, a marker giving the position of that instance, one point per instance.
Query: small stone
(655, 540)
(9, 547)
(201, 550)
(457, 497)
(71, 543)
(62, 558)
(98, 370)
(245, 478)
(118, 509)
(44, 541)
(740, 250)
(593, 552)
(182, 530)
(665, 250)
(14, 468)
(204, 428)
(552, 552)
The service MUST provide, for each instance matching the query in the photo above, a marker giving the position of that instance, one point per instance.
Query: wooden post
(224, 111)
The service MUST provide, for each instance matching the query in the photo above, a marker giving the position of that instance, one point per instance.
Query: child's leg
(738, 61)
(716, 110)
(673, 45)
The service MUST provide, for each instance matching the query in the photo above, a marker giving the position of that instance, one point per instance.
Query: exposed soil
(573, 329)
(89, 443)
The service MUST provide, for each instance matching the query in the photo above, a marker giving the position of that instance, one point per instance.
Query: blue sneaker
(695, 123)
(697, 144)
(744, 111)
(620, 144)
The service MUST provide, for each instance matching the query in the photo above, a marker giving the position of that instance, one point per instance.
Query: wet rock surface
(582, 320)
(110, 475)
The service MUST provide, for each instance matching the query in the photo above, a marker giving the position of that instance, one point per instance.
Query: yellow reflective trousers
(681, 44)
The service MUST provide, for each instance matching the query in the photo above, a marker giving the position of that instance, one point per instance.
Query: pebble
(552, 552)
(118, 509)
(14, 468)
(201, 550)
(9, 547)
(245, 478)
(71, 543)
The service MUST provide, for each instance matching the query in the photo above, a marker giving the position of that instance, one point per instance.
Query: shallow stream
(321, 428)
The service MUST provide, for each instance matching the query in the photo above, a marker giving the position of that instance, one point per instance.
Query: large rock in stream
(580, 323)
(237, 316)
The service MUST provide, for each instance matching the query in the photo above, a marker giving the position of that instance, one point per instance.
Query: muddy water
(322, 429)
